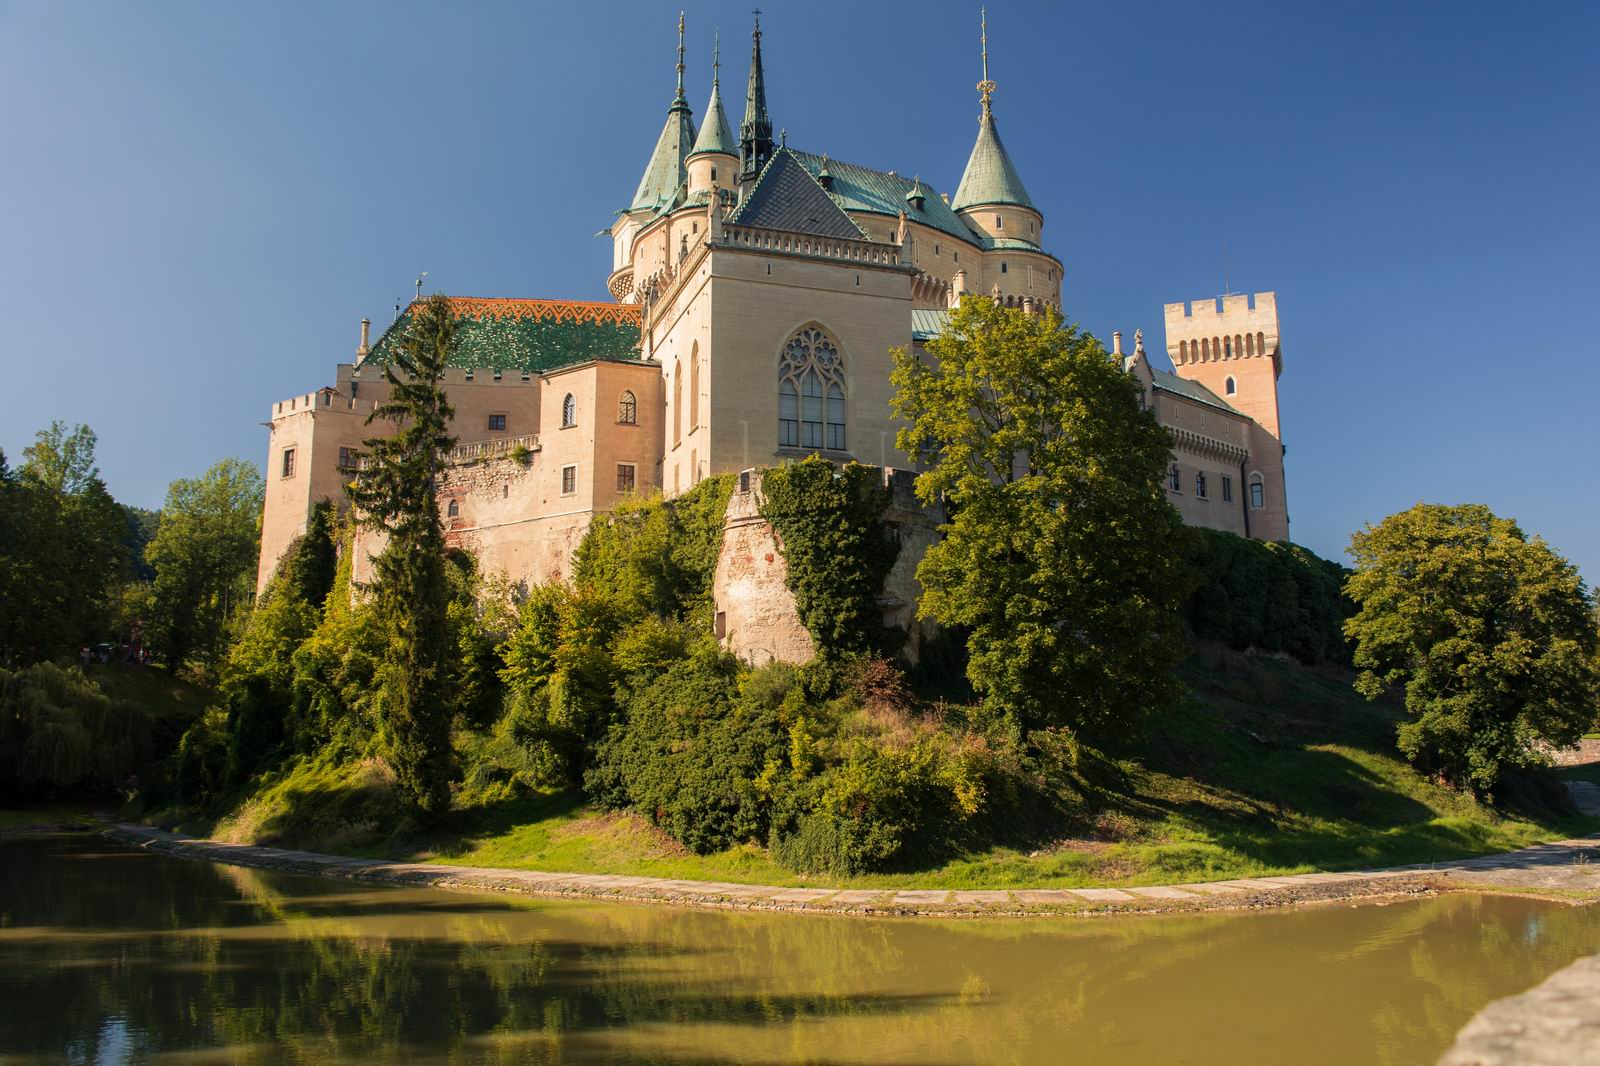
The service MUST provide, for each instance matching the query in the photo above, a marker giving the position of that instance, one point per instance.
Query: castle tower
(991, 198)
(667, 168)
(714, 162)
(1233, 352)
(755, 132)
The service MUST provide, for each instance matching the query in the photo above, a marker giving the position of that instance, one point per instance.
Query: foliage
(1490, 635)
(396, 494)
(59, 731)
(307, 568)
(63, 558)
(1061, 551)
(830, 527)
(204, 554)
(1265, 595)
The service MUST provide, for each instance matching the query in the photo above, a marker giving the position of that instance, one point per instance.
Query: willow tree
(1061, 552)
(397, 496)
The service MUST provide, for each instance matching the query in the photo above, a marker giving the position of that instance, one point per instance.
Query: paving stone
(1210, 889)
(921, 895)
(802, 895)
(983, 896)
(1043, 895)
(1101, 895)
(858, 895)
(1162, 892)
(1252, 882)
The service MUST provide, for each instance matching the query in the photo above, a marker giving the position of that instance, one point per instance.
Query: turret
(755, 132)
(667, 169)
(1233, 351)
(714, 162)
(991, 198)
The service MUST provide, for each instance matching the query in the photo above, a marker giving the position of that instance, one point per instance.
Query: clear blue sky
(200, 201)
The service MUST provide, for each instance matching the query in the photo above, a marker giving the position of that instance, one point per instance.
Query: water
(112, 955)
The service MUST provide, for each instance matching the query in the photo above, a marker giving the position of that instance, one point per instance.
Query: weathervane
(985, 87)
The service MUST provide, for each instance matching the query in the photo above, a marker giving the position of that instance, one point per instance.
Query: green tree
(1061, 551)
(396, 495)
(1490, 635)
(204, 554)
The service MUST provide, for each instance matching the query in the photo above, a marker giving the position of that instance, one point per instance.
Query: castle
(757, 291)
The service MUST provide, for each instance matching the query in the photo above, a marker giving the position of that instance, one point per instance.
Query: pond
(110, 954)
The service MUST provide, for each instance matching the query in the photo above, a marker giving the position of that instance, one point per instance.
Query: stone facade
(756, 309)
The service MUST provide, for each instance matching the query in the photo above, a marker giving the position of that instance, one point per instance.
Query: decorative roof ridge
(543, 310)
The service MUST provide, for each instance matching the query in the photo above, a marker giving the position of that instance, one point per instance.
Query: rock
(1554, 1024)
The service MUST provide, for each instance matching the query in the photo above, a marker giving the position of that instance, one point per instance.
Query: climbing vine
(832, 533)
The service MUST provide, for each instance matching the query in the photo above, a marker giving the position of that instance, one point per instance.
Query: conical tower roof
(666, 170)
(715, 134)
(990, 177)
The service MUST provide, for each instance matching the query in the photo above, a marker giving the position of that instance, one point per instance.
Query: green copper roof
(1167, 381)
(878, 192)
(715, 135)
(990, 177)
(531, 335)
(927, 324)
(666, 170)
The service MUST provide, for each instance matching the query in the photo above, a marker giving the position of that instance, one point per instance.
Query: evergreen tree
(1490, 635)
(1061, 551)
(396, 494)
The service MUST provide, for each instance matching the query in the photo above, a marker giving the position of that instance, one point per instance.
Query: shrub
(59, 731)
(1267, 595)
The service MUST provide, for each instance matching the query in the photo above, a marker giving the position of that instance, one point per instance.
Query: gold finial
(985, 87)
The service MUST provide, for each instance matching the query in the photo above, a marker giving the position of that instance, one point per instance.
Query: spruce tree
(396, 494)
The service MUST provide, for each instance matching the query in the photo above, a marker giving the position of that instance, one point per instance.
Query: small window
(744, 481)
(288, 462)
(1227, 489)
(1258, 494)
(1175, 478)
(569, 412)
(497, 422)
(348, 458)
(569, 480)
(1199, 485)
(454, 510)
(720, 624)
(999, 223)
(625, 477)
(1232, 386)
(1002, 268)
(713, 173)
(936, 249)
(628, 409)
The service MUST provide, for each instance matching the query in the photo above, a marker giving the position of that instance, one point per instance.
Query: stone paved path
(1571, 866)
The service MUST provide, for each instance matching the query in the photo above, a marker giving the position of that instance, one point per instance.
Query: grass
(46, 814)
(1266, 768)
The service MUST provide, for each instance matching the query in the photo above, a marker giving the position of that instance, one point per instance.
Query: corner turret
(714, 162)
(667, 169)
(991, 198)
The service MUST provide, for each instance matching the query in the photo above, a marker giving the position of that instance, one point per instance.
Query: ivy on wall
(831, 531)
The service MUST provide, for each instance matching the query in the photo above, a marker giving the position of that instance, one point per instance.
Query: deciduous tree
(1490, 635)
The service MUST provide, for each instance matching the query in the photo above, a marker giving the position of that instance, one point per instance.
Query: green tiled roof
(532, 335)
(926, 325)
(857, 188)
(715, 135)
(666, 171)
(1167, 381)
(990, 177)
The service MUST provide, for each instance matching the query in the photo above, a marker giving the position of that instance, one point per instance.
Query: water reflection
(123, 956)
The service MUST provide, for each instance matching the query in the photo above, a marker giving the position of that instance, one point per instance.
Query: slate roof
(787, 197)
(858, 188)
(666, 170)
(990, 177)
(532, 335)
(1167, 381)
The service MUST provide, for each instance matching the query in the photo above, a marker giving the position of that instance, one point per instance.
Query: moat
(111, 954)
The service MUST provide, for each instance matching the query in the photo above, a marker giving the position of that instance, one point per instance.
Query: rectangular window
(348, 458)
(811, 412)
(569, 480)
(1200, 486)
(1175, 479)
(1258, 495)
(497, 422)
(625, 477)
(835, 419)
(720, 624)
(288, 462)
(1227, 490)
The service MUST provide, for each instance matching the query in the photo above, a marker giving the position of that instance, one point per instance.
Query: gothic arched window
(569, 412)
(628, 409)
(1232, 386)
(811, 392)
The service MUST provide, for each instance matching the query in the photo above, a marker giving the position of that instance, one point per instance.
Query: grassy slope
(1267, 768)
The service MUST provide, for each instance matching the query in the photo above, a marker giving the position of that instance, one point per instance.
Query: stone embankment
(1553, 1024)
(1563, 868)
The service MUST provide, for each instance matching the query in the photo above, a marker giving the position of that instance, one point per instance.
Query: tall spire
(715, 136)
(990, 178)
(666, 171)
(755, 132)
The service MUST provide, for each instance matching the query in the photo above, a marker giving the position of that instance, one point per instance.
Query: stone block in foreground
(1556, 1023)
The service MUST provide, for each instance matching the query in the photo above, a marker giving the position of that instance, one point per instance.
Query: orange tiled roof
(546, 310)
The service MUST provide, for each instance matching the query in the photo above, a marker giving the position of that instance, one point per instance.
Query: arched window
(1232, 386)
(1261, 344)
(569, 412)
(1249, 344)
(694, 387)
(677, 400)
(628, 409)
(811, 392)
(453, 510)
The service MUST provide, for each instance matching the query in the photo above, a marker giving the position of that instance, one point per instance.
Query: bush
(59, 731)
(1267, 595)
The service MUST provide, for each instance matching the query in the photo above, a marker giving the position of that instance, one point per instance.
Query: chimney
(366, 339)
(1116, 343)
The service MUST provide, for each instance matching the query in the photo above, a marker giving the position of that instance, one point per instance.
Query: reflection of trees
(189, 955)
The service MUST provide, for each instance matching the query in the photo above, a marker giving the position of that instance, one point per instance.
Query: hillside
(1266, 768)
